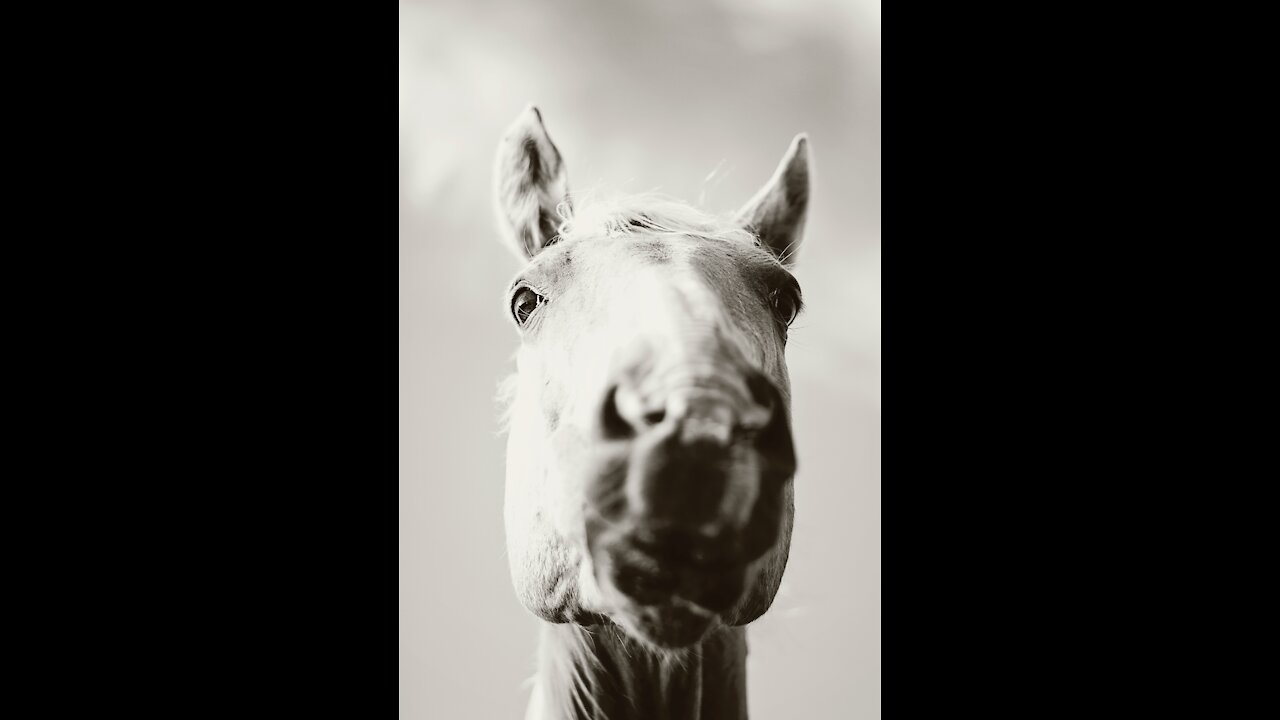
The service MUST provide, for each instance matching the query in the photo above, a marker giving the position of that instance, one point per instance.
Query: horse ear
(777, 213)
(531, 183)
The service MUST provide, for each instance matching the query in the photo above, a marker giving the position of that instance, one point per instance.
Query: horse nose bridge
(700, 372)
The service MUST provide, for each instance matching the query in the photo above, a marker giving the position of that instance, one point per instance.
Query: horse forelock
(593, 215)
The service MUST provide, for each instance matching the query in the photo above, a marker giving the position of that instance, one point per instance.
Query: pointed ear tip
(800, 145)
(797, 159)
(530, 117)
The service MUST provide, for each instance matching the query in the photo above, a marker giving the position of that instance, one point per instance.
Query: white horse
(650, 461)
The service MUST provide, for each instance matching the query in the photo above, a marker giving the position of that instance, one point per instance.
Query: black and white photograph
(639, 359)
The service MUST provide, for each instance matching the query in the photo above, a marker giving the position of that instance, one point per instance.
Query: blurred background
(697, 99)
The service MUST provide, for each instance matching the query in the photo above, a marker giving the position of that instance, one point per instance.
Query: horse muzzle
(690, 493)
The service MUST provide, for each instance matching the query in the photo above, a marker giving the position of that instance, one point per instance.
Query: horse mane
(578, 654)
(569, 655)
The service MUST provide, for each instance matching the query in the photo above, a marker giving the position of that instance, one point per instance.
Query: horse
(649, 497)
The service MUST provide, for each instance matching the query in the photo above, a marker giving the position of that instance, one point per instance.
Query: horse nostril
(713, 409)
(613, 425)
(624, 414)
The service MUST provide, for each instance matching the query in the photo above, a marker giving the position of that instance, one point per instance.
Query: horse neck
(598, 672)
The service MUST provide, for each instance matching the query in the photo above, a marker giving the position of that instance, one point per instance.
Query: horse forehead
(717, 262)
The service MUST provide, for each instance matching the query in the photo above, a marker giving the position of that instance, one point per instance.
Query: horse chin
(672, 625)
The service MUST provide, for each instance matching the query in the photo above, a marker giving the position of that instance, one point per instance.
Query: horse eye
(786, 305)
(523, 303)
